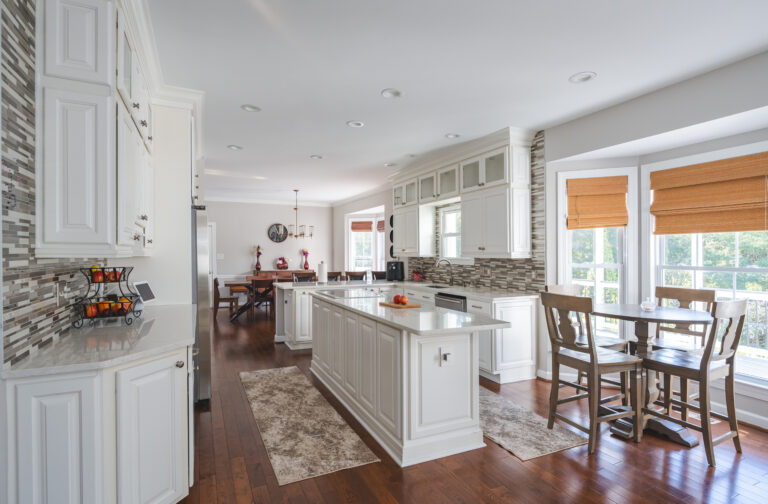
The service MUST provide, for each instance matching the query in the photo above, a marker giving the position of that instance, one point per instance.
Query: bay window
(366, 243)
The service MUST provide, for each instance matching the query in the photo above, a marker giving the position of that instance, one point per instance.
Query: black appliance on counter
(395, 271)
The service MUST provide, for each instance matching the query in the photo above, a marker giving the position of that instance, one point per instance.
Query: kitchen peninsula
(409, 376)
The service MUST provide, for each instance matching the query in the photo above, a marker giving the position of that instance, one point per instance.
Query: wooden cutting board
(398, 306)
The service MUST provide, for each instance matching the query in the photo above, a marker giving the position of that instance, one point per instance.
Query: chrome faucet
(450, 266)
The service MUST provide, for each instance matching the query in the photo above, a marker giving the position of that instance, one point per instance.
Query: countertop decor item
(257, 251)
(305, 253)
(417, 274)
(281, 263)
(97, 303)
(277, 233)
(296, 230)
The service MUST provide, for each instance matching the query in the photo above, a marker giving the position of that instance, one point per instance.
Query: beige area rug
(304, 436)
(520, 430)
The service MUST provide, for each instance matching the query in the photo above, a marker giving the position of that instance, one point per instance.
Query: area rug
(304, 436)
(520, 430)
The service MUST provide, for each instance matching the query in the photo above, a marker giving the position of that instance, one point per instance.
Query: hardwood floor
(231, 464)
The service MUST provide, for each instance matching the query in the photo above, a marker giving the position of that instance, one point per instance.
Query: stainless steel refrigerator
(201, 296)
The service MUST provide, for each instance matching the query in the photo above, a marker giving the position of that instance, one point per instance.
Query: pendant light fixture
(296, 230)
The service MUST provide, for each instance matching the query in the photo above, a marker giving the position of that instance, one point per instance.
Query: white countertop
(160, 329)
(427, 320)
(332, 285)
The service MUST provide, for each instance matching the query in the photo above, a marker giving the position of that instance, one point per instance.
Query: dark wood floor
(231, 464)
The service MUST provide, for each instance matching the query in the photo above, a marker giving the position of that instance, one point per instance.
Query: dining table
(643, 347)
(255, 295)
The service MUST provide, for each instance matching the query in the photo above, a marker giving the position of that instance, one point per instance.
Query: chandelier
(296, 230)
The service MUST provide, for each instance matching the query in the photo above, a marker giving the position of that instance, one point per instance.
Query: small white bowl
(649, 307)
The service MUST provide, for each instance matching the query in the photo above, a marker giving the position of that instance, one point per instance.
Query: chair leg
(684, 382)
(579, 375)
(636, 378)
(668, 393)
(706, 425)
(553, 393)
(215, 309)
(624, 378)
(593, 381)
(730, 402)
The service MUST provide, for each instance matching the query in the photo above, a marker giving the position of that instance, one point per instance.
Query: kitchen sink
(437, 286)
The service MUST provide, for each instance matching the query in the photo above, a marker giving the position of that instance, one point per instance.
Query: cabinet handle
(149, 138)
(136, 237)
(136, 105)
(445, 356)
(143, 123)
(180, 364)
(149, 241)
(482, 184)
(144, 217)
(478, 307)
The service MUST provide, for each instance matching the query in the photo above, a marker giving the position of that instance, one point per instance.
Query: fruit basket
(97, 304)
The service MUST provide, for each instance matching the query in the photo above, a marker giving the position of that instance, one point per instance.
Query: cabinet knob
(446, 355)
(149, 138)
(180, 364)
(136, 237)
(482, 184)
(143, 123)
(144, 217)
(136, 105)
(149, 241)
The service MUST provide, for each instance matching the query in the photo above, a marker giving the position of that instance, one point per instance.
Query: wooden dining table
(642, 319)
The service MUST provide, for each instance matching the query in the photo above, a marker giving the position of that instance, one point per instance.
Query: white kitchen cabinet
(79, 41)
(414, 231)
(428, 188)
(148, 213)
(448, 182)
(318, 330)
(485, 352)
(405, 193)
(289, 318)
(486, 170)
(131, 190)
(54, 443)
(131, 82)
(367, 341)
(336, 331)
(152, 431)
(398, 195)
(351, 348)
(297, 314)
(496, 223)
(388, 379)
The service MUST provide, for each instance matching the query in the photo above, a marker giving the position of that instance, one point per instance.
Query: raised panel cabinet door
(78, 168)
(388, 377)
(317, 334)
(58, 446)
(149, 201)
(127, 192)
(484, 337)
(471, 225)
(303, 329)
(288, 316)
(328, 339)
(412, 230)
(515, 345)
(351, 353)
(368, 361)
(125, 60)
(79, 40)
(496, 214)
(152, 424)
(337, 334)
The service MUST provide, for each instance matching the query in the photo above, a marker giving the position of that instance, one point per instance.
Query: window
(366, 241)
(450, 232)
(735, 265)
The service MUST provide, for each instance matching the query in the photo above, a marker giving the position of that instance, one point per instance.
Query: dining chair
(303, 277)
(608, 342)
(334, 276)
(355, 275)
(379, 275)
(263, 293)
(715, 362)
(232, 301)
(693, 338)
(583, 354)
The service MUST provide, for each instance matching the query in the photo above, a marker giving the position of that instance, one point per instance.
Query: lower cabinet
(367, 340)
(297, 317)
(116, 435)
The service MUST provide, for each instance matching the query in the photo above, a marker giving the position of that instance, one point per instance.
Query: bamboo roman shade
(380, 226)
(362, 226)
(597, 202)
(721, 196)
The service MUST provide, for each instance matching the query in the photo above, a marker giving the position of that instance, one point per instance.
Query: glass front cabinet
(486, 170)
(448, 182)
(405, 193)
(427, 188)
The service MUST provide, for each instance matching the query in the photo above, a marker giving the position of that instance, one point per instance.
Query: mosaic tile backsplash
(521, 275)
(31, 317)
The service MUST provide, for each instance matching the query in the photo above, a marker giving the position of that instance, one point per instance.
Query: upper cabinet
(487, 170)
(496, 223)
(427, 188)
(131, 82)
(405, 193)
(448, 182)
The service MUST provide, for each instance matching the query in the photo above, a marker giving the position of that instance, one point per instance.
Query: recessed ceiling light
(580, 77)
(391, 93)
(250, 108)
(316, 156)
(234, 147)
(390, 165)
(452, 135)
(355, 124)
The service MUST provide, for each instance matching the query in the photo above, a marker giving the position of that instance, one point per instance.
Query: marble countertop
(335, 285)
(160, 329)
(481, 293)
(428, 320)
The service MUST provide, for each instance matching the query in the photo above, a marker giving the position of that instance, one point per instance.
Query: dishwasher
(451, 301)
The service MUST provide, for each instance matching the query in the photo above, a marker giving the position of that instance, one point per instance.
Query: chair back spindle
(725, 334)
(563, 333)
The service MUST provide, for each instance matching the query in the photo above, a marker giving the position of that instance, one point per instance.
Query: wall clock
(277, 233)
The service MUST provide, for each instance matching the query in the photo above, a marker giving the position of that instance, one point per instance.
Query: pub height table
(641, 318)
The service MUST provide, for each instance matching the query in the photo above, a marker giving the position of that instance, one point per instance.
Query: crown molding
(454, 154)
(246, 198)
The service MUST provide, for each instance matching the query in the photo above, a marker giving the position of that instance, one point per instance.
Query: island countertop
(160, 329)
(424, 321)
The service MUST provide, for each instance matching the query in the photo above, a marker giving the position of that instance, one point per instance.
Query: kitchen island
(409, 376)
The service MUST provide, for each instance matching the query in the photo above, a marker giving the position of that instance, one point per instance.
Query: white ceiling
(467, 67)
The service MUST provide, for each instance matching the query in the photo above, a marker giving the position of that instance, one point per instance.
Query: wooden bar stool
(568, 350)
(379, 275)
(303, 277)
(334, 276)
(355, 275)
(716, 361)
(232, 301)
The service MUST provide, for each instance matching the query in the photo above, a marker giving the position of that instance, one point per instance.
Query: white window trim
(748, 386)
(630, 285)
(348, 243)
(453, 260)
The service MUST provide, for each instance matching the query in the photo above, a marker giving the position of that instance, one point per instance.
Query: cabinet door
(337, 332)
(351, 356)
(470, 175)
(427, 188)
(399, 232)
(485, 337)
(411, 192)
(327, 343)
(398, 195)
(303, 308)
(495, 167)
(149, 200)
(515, 345)
(318, 333)
(388, 382)
(137, 98)
(496, 222)
(152, 431)
(471, 225)
(125, 61)
(411, 244)
(448, 182)
(288, 316)
(367, 342)
(79, 40)
(127, 192)
(78, 168)
(57, 449)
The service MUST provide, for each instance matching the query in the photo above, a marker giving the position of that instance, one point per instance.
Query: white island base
(416, 394)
